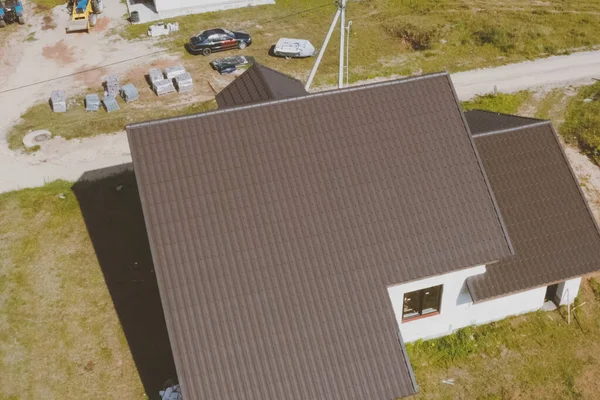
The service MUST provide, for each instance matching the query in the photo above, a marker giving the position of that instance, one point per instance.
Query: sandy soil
(54, 54)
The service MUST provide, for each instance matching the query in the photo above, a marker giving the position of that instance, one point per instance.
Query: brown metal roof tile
(550, 225)
(257, 84)
(277, 227)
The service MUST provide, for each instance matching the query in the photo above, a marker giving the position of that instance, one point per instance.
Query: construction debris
(110, 103)
(58, 100)
(184, 83)
(171, 393)
(161, 28)
(155, 75)
(92, 102)
(112, 86)
(129, 93)
(173, 72)
(163, 87)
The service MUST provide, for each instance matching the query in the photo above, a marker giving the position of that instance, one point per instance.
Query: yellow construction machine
(82, 15)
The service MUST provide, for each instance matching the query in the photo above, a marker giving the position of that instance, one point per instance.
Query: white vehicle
(293, 48)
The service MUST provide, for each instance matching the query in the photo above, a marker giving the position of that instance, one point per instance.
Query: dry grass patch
(59, 333)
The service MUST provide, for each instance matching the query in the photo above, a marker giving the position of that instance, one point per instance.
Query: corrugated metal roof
(553, 231)
(257, 84)
(487, 122)
(277, 227)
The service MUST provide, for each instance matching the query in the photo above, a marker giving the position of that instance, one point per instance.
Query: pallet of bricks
(58, 99)
(163, 84)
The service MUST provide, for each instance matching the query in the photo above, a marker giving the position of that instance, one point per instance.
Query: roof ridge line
(515, 128)
(302, 98)
(232, 82)
(258, 67)
(487, 183)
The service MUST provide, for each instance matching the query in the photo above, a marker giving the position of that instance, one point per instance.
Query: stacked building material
(184, 83)
(58, 100)
(112, 85)
(110, 103)
(155, 75)
(129, 93)
(92, 102)
(173, 72)
(162, 87)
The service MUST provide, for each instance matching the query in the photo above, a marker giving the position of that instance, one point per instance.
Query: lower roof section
(551, 227)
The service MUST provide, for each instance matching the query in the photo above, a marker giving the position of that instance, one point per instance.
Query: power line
(82, 72)
(153, 53)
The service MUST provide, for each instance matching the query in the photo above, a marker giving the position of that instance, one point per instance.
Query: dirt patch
(48, 23)
(89, 76)
(60, 52)
(164, 63)
(102, 24)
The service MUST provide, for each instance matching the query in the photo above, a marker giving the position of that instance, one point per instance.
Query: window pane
(411, 305)
(431, 300)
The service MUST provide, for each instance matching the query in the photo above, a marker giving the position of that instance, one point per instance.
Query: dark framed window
(422, 303)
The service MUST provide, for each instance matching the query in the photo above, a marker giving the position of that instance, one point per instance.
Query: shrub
(495, 36)
(418, 37)
(582, 121)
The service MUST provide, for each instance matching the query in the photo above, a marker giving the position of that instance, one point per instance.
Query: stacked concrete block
(155, 75)
(112, 85)
(58, 100)
(173, 72)
(129, 93)
(110, 103)
(184, 83)
(92, 102)
(163, 87)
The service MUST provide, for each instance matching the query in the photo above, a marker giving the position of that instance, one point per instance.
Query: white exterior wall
(567, 291)
(457, 309)
(205, 5)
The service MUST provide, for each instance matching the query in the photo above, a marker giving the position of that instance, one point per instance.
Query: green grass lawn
(582, 121)
(506, 103)
(60, 337)
(402, 37)
(45, 5)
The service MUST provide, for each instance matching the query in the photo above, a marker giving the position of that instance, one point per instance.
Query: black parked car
(218, 40)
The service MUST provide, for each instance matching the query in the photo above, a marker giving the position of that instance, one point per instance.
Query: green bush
(418, 37)
(582, 121)
(495, 36)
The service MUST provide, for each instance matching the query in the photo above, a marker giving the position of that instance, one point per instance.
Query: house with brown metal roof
(298, 242)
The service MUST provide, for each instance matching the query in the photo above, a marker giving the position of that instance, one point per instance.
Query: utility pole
(348, 54)
(341, 5)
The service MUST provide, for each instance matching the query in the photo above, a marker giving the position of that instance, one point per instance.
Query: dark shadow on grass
(111, 208)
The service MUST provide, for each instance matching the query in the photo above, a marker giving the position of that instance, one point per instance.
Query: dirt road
(557, 71)
(62, 54)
